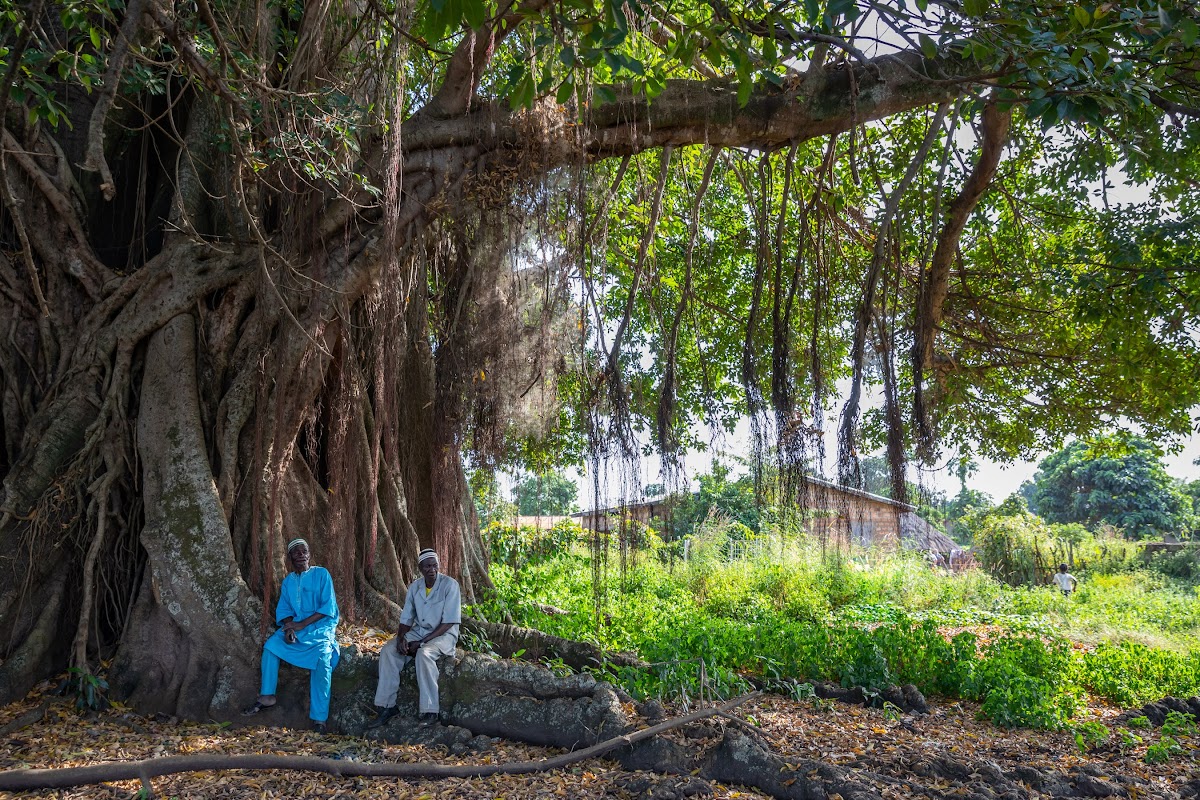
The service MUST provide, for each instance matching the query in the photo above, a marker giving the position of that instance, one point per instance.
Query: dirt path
(820, 747)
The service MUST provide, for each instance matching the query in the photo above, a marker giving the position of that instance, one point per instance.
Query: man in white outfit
(428, 629)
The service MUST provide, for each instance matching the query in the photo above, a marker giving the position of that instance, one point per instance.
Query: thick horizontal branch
(27, 779)
(704, 112)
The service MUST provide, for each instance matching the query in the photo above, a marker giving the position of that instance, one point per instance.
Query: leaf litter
(947, 752)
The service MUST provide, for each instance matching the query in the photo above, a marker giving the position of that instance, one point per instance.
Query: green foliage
(1129, 739)
(519, 546)
(1021, 549)
(968, 503)
(797, 618)
(1162, 751)
(89, 690)
(1025, 682)
(1121, 482)
(549, 493)
(1131, 673)
(719, 496)
(72, 55)
(1179, 724)
(1140, 722)
(1090, 735)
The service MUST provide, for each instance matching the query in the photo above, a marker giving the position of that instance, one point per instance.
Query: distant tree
(1113, 480)
(967, 501)
(1027, 490)
(719, 492)
(549, 494)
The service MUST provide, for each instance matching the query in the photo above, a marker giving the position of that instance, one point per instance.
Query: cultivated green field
(795, 614)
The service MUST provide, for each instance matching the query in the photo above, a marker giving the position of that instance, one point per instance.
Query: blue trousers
(318, 684)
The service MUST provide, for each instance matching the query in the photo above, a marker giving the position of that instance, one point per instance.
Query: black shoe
(257, 708)
(429, 716)
(320, 727)
(383, 717)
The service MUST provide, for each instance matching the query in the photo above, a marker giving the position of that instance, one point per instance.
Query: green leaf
(1082, 16)
(975, 8)
(94, 35)
(770, 51)
(928, 46)
(812, 11)
(565, 90)
(840, 8)
(1187, 31)
(475, 13)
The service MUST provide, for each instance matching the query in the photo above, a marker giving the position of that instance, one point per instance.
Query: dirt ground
(946, 753)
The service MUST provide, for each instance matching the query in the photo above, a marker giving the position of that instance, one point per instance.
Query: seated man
(428, 629)
(307, 614)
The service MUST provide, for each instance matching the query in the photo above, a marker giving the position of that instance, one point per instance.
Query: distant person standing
(1065, 581)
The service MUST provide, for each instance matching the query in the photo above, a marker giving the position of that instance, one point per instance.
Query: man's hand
(411, 648)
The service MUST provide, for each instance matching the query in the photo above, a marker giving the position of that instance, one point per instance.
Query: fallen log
(29, 779)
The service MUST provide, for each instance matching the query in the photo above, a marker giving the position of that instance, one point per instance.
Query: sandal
(250, 711)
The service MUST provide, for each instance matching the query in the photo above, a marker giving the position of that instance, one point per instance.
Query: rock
(1157, 711)
(741, 759)
(906, 698)
(657, 755)
(653, 711)
(1088, 786)
(480, 695)
(481, 743)
(686, 786)
(703, 729)
(1028, 775)
(893, 695)
(913, 699)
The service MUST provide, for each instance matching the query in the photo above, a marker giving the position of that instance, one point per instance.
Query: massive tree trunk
(196, 367)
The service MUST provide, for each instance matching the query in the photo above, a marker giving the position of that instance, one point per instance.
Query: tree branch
(935, 287)
(471, 58)
(95, 161)
(707, 112)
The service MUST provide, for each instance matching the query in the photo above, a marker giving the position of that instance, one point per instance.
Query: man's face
(298, 555)
(429, 569)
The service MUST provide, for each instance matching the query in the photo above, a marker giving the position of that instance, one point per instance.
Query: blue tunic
(303, 594)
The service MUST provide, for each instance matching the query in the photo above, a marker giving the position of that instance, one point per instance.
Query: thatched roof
(916, 533)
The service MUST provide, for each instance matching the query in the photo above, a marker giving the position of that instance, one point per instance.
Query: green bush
(1090, 735)
(517, 546)
(1025, 682)
(1162, 751)
(1132, 674)
(804, 617)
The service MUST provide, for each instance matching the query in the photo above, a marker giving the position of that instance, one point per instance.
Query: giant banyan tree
(274, 268)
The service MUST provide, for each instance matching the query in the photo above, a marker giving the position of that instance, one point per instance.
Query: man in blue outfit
(307, 616)
(428, 629)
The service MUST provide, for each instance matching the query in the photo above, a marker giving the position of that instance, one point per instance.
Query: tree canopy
(1122, 483)
(551, 493)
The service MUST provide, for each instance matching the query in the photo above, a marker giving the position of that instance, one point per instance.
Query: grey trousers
(392, 660)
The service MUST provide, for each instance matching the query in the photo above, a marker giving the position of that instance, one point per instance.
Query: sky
(993, 478)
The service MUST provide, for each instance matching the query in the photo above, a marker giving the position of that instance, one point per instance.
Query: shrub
(1161, 751)
(1179, 724)
(1090, 735)
(1130, 673)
